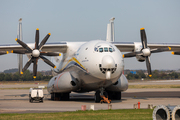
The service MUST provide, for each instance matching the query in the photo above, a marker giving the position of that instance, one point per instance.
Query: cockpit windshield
(110, 50)
(100, 49)
(104, 49)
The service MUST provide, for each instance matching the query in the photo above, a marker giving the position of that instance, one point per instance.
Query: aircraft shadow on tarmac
(154, 94)
(89, 97)
(84, 98)
(22, 95)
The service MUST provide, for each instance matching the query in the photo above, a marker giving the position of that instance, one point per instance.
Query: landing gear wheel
(114, 95)
(64, 96)
(118, 95)
(60, 96)
(105, 94)
(97, 97)
(52, 96)
(31, 100)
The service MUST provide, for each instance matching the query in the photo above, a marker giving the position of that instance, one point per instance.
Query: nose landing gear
(101, 96)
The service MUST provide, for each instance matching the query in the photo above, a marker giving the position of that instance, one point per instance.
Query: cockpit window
(95, 49)
(105, 49)
(100, 49)
(110, 50)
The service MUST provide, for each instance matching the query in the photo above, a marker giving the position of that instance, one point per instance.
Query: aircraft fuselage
(93, 65)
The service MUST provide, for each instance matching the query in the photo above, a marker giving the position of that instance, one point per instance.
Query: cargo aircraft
(95, 65)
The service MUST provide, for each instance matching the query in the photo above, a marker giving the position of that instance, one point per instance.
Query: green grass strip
(123, 114)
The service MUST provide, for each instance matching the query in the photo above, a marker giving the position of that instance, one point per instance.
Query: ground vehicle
(36, 94)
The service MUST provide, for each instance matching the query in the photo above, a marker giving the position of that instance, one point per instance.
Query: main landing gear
(106, 96)
(60, 96)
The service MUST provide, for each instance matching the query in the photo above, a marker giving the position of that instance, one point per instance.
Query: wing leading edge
(48, 47)
(130, 46)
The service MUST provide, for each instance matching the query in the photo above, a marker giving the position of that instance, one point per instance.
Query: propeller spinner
(36, 53)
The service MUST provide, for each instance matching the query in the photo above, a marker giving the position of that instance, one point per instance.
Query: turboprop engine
(143, 52)
(138, 48)
(64, 82)
(120, 85)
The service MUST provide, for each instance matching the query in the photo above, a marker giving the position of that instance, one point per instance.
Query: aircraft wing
(130, 46)
(48, 47)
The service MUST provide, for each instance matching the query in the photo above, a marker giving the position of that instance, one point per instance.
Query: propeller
(36, 53)
(176, 53)
(146, 51)
(3, 52)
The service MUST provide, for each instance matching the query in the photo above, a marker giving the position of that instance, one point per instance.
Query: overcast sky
(84, 20)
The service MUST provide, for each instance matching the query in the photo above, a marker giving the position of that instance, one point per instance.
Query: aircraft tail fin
(110, 31)
(20, 56)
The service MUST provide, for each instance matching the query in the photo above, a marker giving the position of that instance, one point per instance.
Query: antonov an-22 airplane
(95, 65)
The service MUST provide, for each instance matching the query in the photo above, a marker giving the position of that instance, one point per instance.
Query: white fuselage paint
(93, 69)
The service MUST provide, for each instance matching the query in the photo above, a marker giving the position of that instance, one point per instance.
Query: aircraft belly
(89, 82)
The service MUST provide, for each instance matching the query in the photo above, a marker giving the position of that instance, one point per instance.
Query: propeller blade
(35, 68)
(20, 51)
(23, 45)
(37, 39)
(133, 54)
(27, 65)
(50, 54)
(47, 61)
(44, 41)
(176, 53)
(143, 38)
(160, 50)
(148, 65)
(3, 52)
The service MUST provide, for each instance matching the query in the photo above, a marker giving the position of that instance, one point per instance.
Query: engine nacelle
(140, 58)
(137, 48)
(120, 85)
(64, 82)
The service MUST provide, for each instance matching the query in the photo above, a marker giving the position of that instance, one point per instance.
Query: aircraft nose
(108, 62)
(107, 66)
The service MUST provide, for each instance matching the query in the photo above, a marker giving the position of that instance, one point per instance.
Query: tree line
(156, 74)
(27, 76)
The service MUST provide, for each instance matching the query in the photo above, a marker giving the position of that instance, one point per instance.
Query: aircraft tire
(64, 96)
(97, 97)
(52, 96)
(105, 94)
(110, 95)
(117, 96)
(31, 100)
(114, 95)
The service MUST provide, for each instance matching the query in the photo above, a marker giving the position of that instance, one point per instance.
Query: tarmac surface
(17, 101)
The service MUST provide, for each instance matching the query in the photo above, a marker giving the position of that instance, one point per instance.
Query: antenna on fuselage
(110, 30)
